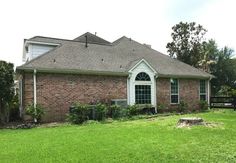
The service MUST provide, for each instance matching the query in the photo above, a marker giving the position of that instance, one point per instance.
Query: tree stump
(190, 121)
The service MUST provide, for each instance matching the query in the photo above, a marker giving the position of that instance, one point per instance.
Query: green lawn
(144, 140)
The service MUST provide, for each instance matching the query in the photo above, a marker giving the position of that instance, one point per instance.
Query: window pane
(203, 97)
(142, 76)
(202, 86)
(174, 91)
(174, 86)
(174, 99)
(142, 94)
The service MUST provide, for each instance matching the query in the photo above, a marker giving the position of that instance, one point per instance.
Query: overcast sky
(146, 21)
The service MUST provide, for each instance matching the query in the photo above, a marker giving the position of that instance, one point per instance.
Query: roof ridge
(119, 40)
(50, 38)
(98, 43)
(95, 38)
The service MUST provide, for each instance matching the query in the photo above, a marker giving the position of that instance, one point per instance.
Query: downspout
(21, 95)
(128, 89)
(35, 95)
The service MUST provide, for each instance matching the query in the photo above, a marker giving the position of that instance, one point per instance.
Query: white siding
(36, 49)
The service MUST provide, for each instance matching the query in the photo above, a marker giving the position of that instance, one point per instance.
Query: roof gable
(146, 63)
(91, 38)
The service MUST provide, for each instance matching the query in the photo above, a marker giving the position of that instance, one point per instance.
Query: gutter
(72, 71)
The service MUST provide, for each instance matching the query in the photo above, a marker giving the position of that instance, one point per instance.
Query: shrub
(79, 113)
(161, 108)
(14, 112)
(203, 105)
(182, 107)
(36, 113)
(132, 110)
(116, 111)
(101, 112)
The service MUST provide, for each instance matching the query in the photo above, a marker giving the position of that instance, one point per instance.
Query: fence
(223, 102)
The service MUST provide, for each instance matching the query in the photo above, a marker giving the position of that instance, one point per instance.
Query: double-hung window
(174, 97)
(202, 91)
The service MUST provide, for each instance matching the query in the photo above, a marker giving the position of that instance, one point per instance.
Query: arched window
(142, 76)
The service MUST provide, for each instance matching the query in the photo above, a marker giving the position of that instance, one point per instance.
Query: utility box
(120, 102)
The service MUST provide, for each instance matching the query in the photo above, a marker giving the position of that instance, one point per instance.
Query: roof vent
(86, 41)
(148, 45)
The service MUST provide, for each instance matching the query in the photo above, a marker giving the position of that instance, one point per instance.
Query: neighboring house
(87, 69)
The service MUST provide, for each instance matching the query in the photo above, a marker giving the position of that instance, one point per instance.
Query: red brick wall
(56, 92)
(188, 92)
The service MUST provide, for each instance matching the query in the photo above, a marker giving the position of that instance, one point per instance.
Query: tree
(6, 87)
(187, 42)
(224, 70)
(209, 52)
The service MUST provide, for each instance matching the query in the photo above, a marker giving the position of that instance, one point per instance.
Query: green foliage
(101, 111)
(35, 112)
(14, 113)
(116, 111)
(203, 105)
(224, 70)
(232, 92)
(132, 110)
(6, 87)
(161, 108)
(183, 106)
(186, 42)
(79, 113)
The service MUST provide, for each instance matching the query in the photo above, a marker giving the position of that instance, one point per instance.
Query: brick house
(58, 72)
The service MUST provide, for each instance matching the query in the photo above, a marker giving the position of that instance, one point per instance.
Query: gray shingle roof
(119, 57)
(93, 39)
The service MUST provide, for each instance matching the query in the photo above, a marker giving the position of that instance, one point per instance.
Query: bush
(203, 105)
(14, 112)
(161, 108)
(35, 113)
(182, 107)
(79, 113)
(116, 111)
(100, 112)
(132, 110)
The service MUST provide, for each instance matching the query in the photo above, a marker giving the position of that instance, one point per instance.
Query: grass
(144, 140)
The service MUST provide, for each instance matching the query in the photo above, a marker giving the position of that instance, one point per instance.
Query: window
(174, 99)
(143, 94)
(202, 91)
(142, 88)
(142, 76)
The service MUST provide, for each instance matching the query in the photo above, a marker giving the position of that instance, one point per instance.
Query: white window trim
(206, 98)
(131, 82)
(174, 93)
